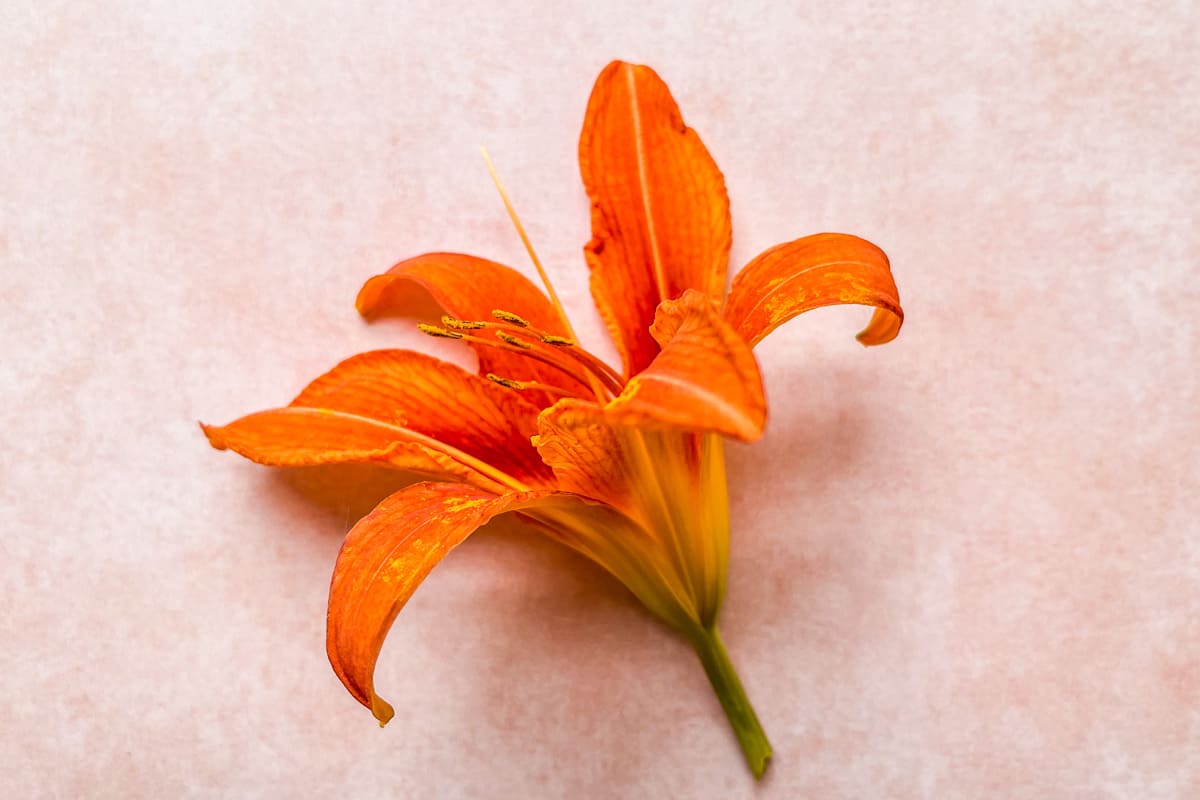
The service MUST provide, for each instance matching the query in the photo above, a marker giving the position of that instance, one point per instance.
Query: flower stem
(725, 683)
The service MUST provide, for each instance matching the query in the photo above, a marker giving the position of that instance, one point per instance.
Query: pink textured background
(965, 565)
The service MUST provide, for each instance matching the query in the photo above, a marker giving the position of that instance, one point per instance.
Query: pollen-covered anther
(509, 317)
(506, 382)
(508, 338)
(521, 386)
(462, 324)
(558, 341)
(434, 330)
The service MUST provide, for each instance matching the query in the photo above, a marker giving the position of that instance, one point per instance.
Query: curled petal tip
(821, 270)
(883, 328)
(213, 434)
(382, 710)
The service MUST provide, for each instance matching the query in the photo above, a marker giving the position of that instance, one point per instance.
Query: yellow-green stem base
(728, 686)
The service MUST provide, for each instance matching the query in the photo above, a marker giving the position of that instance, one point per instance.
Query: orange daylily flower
(626, 467)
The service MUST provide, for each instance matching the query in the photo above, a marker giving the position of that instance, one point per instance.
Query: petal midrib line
(467, 460)
(763, 297)
(745, 424)
(660, 280)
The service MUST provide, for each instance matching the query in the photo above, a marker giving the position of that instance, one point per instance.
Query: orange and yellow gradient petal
(660, 212)
(402, 409)
(391, 551)
(821, 270)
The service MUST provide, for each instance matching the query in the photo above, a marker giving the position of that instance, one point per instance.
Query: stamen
(435, 331)
(514, 341)
(508, 316)
(547, 348)
(551, 358)
(521, 386)
(506, 382)
(597, 366)
(597, 374)
(462, 324)
(609, 377)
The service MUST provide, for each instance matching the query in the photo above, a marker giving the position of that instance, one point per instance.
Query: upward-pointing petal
(660, 213)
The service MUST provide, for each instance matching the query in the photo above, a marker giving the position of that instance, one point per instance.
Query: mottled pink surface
(965, 565)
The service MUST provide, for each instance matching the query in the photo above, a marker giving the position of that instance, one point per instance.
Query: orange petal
(705, 378)
(383, 560)
(577, 441)
(660, 481)
(821, 270)
(390, 551)
(469, 288)
(660, 214)
(623, 547)
(306, 437)
(403, 408)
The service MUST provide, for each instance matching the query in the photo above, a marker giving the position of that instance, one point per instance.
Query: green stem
(725, 683)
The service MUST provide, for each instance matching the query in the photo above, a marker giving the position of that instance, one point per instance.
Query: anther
(508, 338)
(508, 316)
(558, 341)
(507, 382)
(462, 324)
(441, 333)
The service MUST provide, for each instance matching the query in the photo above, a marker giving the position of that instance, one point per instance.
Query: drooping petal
(470, 288)
(402, 408)
(660, 213)
(390, 552)
(821, 270)
(705, 378)
(383, 560)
